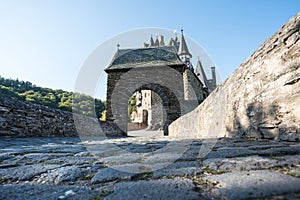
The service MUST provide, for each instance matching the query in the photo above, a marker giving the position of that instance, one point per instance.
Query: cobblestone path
(148, 166)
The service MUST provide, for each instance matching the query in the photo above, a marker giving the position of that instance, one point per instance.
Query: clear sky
(47, 41)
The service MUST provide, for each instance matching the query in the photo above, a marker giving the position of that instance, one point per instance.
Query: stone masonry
(158, 69)
(118, 93)
(260, 100)
(23, 119)
(148, 165)
(191, 85)
(73, 169)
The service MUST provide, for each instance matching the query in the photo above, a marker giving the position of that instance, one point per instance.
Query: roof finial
(118, 46)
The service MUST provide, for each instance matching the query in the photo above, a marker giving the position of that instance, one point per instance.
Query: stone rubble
(24, 119)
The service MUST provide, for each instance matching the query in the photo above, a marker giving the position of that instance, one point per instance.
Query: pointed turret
(151, 42)
(183, 50)
(156, 43)
(171, 42)
(201, 74)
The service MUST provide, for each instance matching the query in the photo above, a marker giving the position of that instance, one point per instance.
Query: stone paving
(148, 166)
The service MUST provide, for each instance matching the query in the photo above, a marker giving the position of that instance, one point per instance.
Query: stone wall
(260, 100)
(158, 112)
(165, 81)
(193, 88)
(179, 90)
(112, 79)
(23, 119)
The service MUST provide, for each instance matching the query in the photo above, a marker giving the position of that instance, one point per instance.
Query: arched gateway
(165, 70)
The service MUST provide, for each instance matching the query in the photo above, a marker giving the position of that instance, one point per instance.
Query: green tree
(58, 99)
(131, 105)
(103, 116)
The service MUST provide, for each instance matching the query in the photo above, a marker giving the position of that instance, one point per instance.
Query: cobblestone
(33, 168)
(253, 184)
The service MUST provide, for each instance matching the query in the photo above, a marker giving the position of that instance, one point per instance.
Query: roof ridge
(149, 47)
(145, 56)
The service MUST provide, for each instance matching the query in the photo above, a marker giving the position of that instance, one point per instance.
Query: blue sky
(47, 41)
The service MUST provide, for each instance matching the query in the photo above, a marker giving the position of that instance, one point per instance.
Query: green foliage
(131, 105)
(8, 92)
(57, 99)
(103, 117)
(132, 100)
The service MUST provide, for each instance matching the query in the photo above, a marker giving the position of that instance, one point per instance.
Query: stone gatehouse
(165, 70)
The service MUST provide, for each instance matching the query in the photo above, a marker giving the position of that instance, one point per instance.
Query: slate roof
(201, 74)
(144, 57)
(183, 50)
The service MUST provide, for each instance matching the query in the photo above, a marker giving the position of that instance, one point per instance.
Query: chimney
(162, 42)
(213, 73)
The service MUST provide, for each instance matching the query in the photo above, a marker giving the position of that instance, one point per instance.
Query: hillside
(58, 99)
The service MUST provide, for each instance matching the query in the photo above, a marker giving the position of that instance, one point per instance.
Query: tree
(57, 99)
(131, 105)
(103, 116)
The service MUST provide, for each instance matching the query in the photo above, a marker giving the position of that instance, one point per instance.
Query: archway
(164, 81)
(170, 103)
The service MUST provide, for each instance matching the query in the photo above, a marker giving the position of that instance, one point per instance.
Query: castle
(185, 55)
(156, 105)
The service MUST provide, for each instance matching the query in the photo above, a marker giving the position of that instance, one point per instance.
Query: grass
(213, 171)
(87, 177)
(199, 181)
(168, 177)
(286, 170)
(143, 176)
(215, 148)
(278, 158)
(86, 155)
(295, 174)
(5, 180)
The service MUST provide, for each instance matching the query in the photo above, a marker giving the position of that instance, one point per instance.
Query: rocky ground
(148, 167)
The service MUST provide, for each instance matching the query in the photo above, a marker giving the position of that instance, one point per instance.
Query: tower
(184, 53)
(151, 42)
(183, 50)
(201, 74)
(214, 79)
